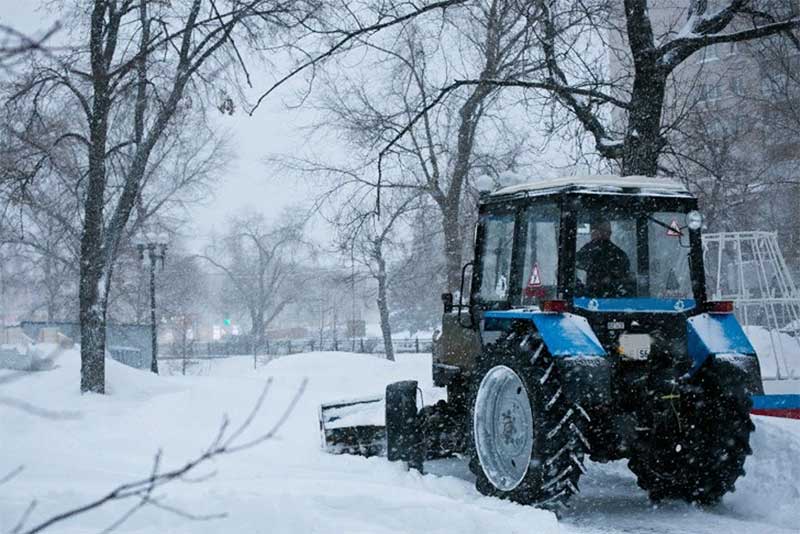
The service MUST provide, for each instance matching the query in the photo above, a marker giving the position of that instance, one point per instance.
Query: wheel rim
(503, 423)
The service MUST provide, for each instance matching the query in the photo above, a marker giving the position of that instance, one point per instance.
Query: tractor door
(456, 349)
(492, 278)
(517, 256)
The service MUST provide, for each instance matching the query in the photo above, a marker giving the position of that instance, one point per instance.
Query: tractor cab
(625, 253)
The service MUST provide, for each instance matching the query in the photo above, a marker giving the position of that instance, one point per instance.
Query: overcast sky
(274, 129)
(248, 184)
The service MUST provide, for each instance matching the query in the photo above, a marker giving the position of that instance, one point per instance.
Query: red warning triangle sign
(536, 279)
(674, 229)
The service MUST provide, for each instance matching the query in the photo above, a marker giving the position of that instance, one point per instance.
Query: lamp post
(156, 247)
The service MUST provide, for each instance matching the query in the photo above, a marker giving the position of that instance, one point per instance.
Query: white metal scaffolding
(749, 269)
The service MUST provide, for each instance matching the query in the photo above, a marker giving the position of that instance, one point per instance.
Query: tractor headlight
(694, 220)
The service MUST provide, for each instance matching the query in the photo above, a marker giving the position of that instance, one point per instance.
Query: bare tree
(738, 148)
(624, 111)
(183, 295)
(43, 215)
(372, 241)
(144, 64)
(325, 291)
(451, 143)
(420, 266)
(15, 46)
(258, 261)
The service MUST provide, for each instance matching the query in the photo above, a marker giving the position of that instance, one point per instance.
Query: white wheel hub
(503, 423)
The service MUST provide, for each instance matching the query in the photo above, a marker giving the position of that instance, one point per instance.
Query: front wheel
(528, 439)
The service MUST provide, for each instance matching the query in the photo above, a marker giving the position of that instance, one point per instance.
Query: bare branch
(224, 443)
(351, 36)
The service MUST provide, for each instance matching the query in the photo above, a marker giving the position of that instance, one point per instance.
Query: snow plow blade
(354, 426)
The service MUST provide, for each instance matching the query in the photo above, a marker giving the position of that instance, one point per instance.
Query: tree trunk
(257, 326)
(93, 265)
(153, 322)
(92, 308)
(643, 141)
(93, 285)
(383, 307)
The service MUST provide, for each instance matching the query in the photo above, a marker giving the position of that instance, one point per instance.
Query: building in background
(732, 123)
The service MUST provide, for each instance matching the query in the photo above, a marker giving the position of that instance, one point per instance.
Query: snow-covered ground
(288, 485)
(777, 351)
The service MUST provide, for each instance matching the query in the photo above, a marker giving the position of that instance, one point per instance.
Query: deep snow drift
(288, 485)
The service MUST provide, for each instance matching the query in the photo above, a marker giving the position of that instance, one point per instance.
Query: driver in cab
(607, 267)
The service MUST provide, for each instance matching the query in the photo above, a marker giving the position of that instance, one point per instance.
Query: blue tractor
(586, 332)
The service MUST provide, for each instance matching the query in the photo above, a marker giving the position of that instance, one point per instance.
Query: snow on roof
(598, 184)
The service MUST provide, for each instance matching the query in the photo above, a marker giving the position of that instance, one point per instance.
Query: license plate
(635, 346)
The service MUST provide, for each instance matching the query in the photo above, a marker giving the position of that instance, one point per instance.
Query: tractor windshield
(627, 254)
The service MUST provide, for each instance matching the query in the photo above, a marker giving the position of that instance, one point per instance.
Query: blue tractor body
(570, 335)
(588, 295)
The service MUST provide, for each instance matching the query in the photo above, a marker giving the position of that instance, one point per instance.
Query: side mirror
(447, 302)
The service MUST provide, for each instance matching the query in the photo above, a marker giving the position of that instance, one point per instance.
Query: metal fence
(239, 346)
(127, 343)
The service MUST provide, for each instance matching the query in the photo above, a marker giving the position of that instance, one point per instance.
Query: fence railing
(276, 347)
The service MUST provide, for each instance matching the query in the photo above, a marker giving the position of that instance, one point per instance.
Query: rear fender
(584, 369)
(564, 334)
(718, 338)
(738, 371)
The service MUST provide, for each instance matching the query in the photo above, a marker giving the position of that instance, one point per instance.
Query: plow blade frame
(339, 434)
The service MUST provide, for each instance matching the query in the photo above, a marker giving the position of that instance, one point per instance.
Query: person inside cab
(607, 267)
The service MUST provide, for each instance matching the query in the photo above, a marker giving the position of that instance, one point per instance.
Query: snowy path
(288, 486)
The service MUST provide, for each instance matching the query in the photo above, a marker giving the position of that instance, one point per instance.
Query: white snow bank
(286, 485)
(786, 353)
(771, 487)
(27, 357)
(766, 499)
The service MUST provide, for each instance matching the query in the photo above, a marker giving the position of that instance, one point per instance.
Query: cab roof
(599, 184)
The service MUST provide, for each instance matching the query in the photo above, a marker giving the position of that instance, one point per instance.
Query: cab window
(627, 253)
(498, 236)
(540, 264)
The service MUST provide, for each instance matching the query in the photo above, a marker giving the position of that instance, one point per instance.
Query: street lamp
(156, 247)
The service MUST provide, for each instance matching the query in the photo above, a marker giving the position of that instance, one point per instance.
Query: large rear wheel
(695, 441)
(528, 439)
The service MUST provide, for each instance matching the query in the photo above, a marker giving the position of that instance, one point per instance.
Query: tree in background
(142, 65)
(624, 108)
(415, 307)
(42, 221)
(183, 296)
(450, 144)
(326, 300)
(374, 242)
(738, 145)
(650, 54)
(259, 262)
